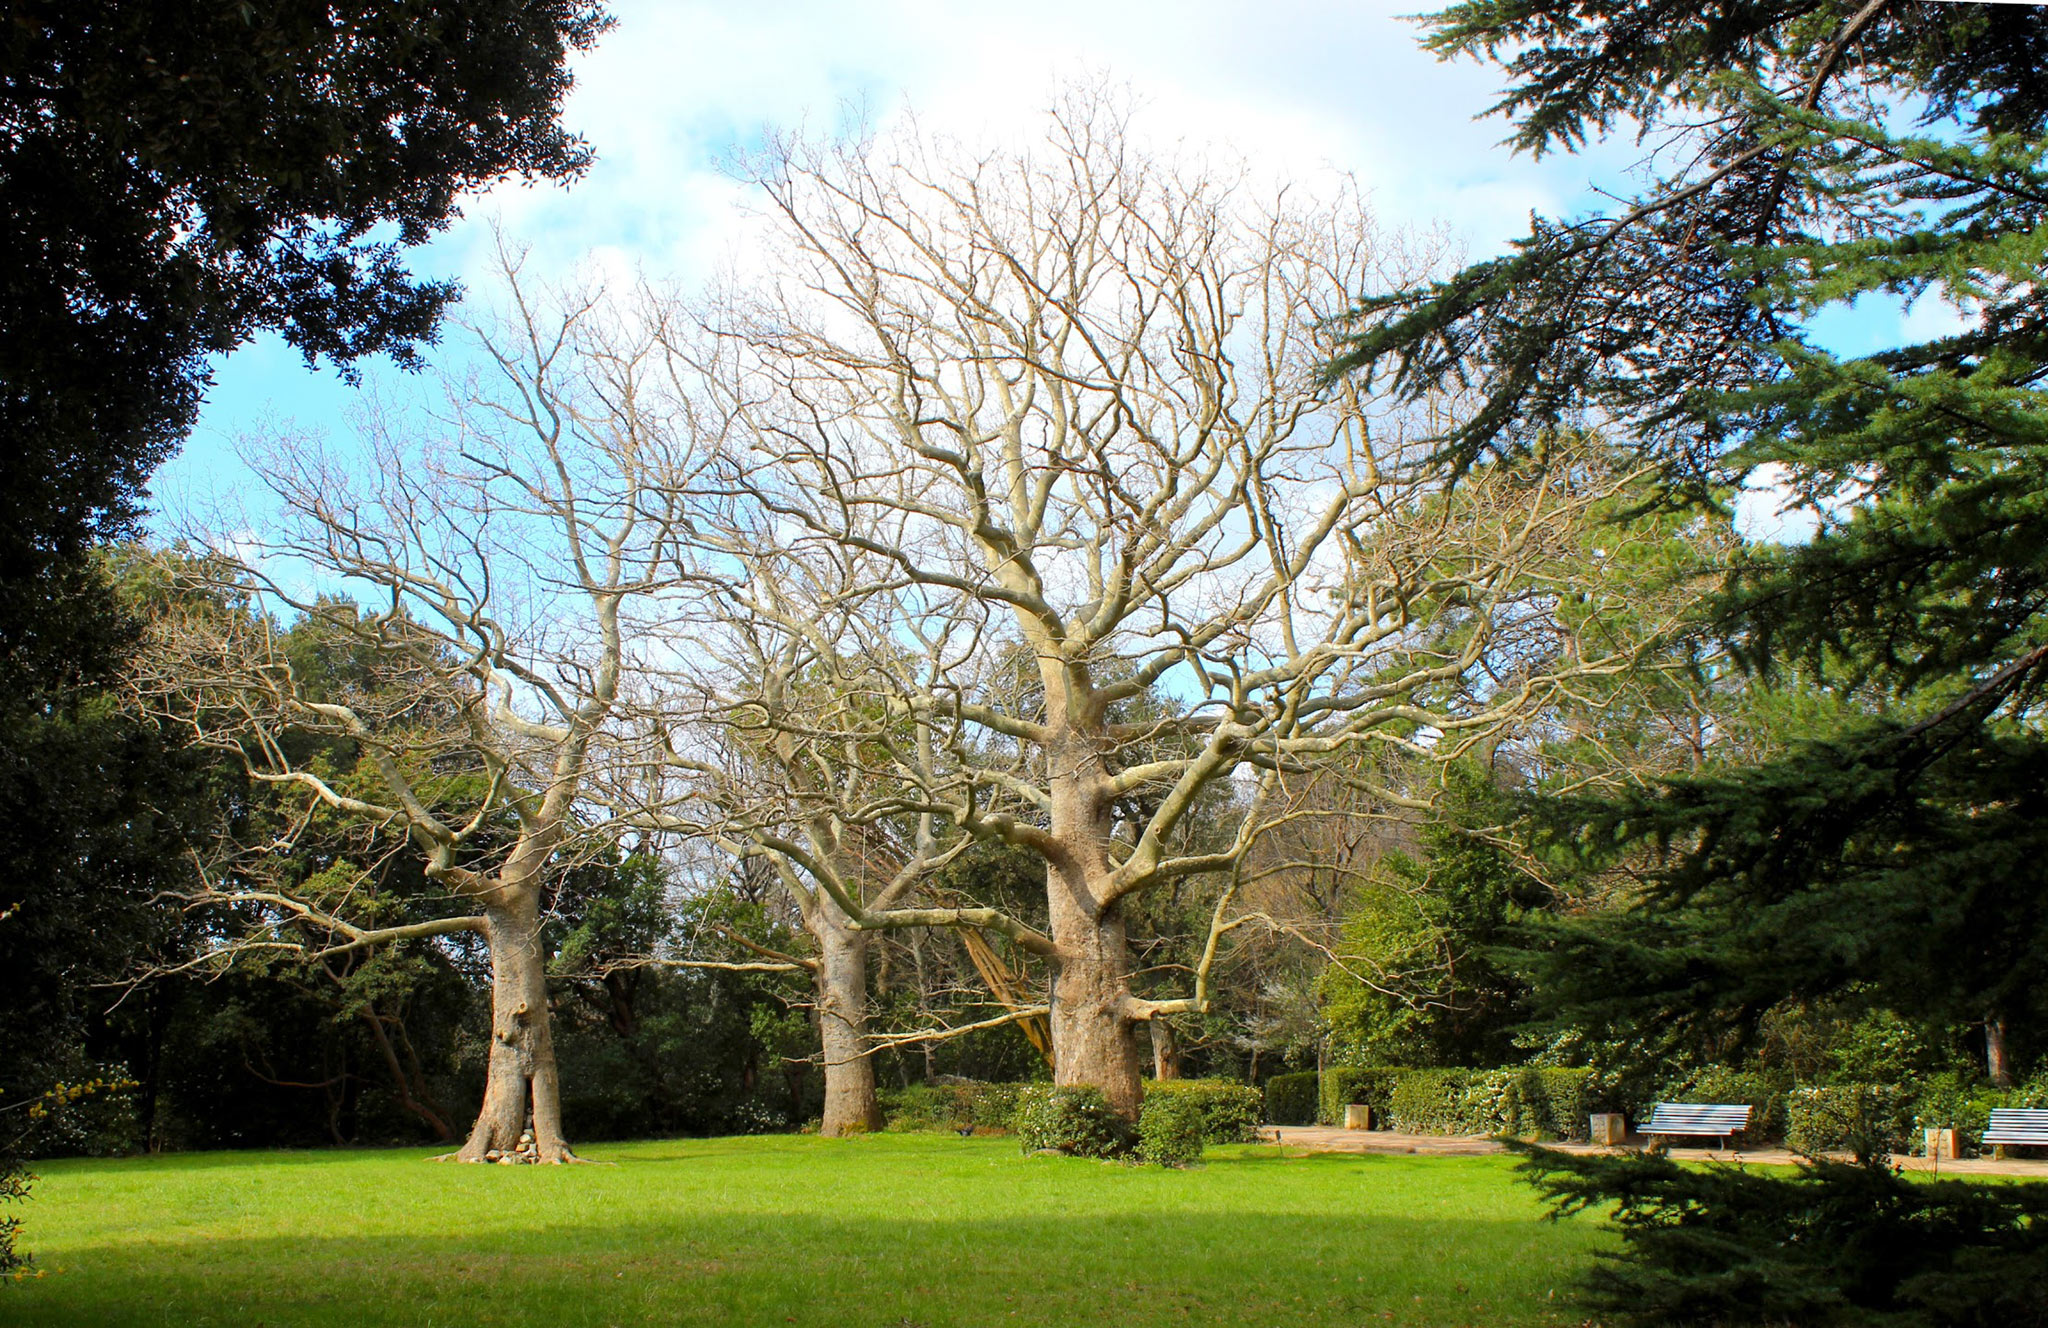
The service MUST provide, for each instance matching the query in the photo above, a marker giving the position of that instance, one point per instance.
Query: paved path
(1330, 1139)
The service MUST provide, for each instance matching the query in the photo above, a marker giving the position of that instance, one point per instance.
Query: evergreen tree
(1418, 980)
(1808, 154)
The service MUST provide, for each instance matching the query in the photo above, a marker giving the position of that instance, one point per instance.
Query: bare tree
(779, 722)
(1065, 409)
(501, 577)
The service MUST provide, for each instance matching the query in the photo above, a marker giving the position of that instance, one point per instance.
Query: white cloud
(1297, 85)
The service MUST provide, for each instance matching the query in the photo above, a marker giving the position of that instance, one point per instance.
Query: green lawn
(890, 1230)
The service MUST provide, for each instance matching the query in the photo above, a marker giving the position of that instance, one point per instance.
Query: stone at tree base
(1609, 1128)
(1357, 1116)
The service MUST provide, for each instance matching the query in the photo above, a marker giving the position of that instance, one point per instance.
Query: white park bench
(1703, 1119)
(2018, 1125)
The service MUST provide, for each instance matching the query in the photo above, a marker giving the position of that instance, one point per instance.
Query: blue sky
(1296, 86)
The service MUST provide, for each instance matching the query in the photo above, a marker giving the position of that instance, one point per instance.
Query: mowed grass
(888, 1230)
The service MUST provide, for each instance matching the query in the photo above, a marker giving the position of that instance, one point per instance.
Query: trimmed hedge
(1372, 1085)
(934, 1108)
(1545, 1102)
(1076, 1120)
(1229, 1110)
(1868, 1119)
(1172, 1127)
(1291, 1098)
(1570, 1095)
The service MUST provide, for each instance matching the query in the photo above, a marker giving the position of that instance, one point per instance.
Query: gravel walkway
(1330, 1139)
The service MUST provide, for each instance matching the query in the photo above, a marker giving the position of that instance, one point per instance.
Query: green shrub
(1948, 1101)
(1718, 1083)
(1569, 1095)
(991, 1106)
(934, 1108)
(1505, 1102)
(1879, 1048)
(1547, 1102)
(1951, 1101)
(1230, 1110)
(1171, 1127)
(1343, 1085)
(1834, 1245)
(88, 1113)
(1871, 1120)
(14, 1184)
(918, 1109)
(1076, 1120)
(1291, 1098)
(1430, 1102)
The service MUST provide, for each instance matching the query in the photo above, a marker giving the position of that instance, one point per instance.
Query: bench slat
(1697, 1118)
(2017, 1125)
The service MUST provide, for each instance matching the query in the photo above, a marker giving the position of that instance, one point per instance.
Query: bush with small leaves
(1076, 1120)
(1950, 1101)
(1170, 1129)
(1433, 1102)
(1230, 1110)
(1564, 1100)
(14, 1182)
(1291, 1098)
(1542, 1102)
(1870, 1120)
(932, 1108)
(988, 1106)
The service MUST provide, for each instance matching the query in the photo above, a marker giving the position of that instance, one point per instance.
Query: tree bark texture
(842, 987)
(1997, 1056)
(1165, 1049)
(521, 1074)
(1094, 1040)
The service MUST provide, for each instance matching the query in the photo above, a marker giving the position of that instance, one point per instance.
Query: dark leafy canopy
(177, 175)
(1807, 153)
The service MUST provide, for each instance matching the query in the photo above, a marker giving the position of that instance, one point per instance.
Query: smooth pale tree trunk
(842, 987)
(1165, 1049)
(521, 1076)
(1997, 1056)
(1094, 1040)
